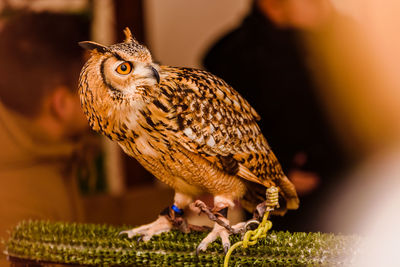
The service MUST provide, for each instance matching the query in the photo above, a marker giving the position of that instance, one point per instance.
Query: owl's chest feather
(142, 146)
(140, 141)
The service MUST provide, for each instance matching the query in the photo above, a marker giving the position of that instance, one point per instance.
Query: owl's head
(123, 67)
(115, 75)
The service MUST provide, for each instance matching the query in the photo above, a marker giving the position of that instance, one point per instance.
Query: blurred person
(41, 122)
(265, 60)
(361, 75)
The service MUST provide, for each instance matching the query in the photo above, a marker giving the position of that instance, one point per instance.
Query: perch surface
(90, 244)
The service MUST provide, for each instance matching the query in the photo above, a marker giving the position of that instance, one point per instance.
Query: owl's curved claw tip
(122, 233)
(130, 235)
(201, 247)
(227, 246)
(126, 232)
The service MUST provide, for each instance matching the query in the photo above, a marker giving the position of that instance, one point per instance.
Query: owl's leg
(221, 228)
(170, 217)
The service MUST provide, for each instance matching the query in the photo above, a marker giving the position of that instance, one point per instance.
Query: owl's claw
(218, 231)
(203, 247)
(227, 247)
(145, 232)
(223, 233)
(200, 248)
(126, 232)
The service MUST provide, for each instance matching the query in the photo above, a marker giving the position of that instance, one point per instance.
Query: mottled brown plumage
(187, 127)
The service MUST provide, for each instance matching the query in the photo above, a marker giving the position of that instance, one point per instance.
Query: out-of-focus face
(297, 14)
(306, 14)
(75, 120)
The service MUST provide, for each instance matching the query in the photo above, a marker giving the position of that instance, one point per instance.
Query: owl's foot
(161, 225)
(219, 231)
(221, 228)
(170, 218)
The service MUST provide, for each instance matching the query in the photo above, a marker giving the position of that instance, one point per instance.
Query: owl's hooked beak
(156, 75)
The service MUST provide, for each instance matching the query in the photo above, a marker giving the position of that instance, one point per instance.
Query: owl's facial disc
(126, 67)
(126, 77)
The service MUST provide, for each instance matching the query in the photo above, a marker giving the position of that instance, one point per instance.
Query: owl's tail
(256, 194)
(289, 193)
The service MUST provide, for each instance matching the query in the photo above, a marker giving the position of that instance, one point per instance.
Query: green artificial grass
(90, 244)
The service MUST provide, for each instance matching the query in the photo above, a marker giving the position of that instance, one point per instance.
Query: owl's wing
(209, 118)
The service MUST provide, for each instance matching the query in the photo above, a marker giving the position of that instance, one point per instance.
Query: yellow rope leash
(251, 236)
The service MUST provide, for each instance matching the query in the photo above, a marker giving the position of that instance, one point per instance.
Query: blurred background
(324, 75)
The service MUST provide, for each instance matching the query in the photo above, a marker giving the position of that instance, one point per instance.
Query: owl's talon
(211, 238)
(200, 248)
(218, 231)
(126, 232)
(226, 247)
(146, 232)
(146, 238)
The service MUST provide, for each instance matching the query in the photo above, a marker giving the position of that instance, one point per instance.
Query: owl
(187, 127)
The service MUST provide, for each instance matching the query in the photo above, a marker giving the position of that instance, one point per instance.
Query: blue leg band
(177, 210)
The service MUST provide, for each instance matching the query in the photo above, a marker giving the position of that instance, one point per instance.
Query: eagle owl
(189, 128)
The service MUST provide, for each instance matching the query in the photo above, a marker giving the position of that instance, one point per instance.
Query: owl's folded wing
(211, 119)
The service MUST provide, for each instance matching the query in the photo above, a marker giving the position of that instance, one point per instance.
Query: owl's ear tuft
(129, 38)
(89, 45)
(128, 35)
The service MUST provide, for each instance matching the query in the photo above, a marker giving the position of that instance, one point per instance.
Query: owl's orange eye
(124, 68)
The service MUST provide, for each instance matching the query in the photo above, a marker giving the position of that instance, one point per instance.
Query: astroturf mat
(90, 244)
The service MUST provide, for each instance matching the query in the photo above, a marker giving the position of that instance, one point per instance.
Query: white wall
(179, 31)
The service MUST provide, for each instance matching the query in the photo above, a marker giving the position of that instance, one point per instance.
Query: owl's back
(212, 119)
